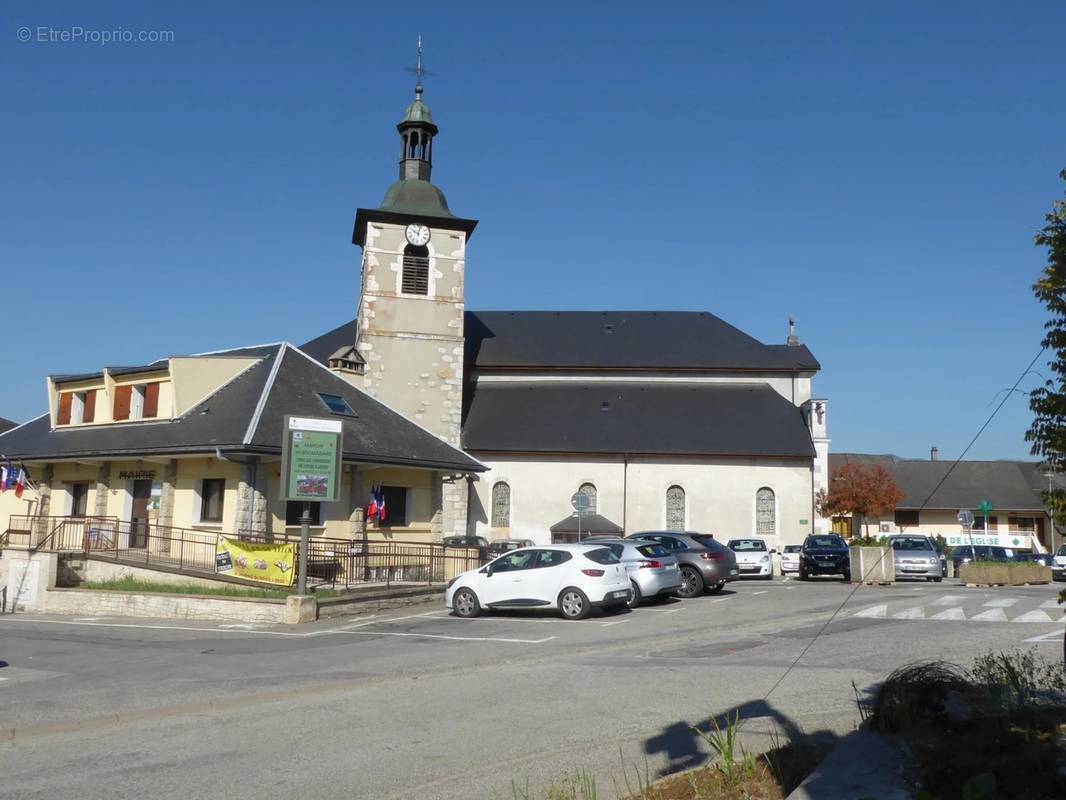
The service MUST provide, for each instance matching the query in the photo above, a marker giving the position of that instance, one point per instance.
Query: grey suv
(705, 563)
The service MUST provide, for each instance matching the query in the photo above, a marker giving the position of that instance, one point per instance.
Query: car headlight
(764, 559)
(451, 583)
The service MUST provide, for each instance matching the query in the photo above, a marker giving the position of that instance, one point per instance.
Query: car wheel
(847, 577)
(937, 580)
(615, 608)
(466, 604)
(802, 575)
(691, 582)
(635, 597)
(573, 604)
(717, 588)
(769, 577)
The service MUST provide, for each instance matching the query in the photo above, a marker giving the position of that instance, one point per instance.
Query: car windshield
(749, 545)
(602, 555)
(911, 543)
(706, 539)
(652, 550)
(824, 541)
(793, 548)
(1062, 550)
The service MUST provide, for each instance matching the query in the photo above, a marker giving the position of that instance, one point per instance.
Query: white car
(753, 558)
(574, 578)
(790, 558)
(1058, 566)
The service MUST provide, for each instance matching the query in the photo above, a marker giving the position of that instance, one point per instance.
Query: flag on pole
(382, 513)
(8, 477)
(20, 482)
(372, 506)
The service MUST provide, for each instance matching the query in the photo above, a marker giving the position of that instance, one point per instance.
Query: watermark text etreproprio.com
(76, 34)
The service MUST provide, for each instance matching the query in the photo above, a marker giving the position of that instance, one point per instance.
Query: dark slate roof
(6, 424)
(645, 340)
(641, 418)
(592, 523)
(322, 347)
(222, 421)
(1007, 485)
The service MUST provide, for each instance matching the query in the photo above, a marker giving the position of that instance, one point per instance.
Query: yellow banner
(264, 563)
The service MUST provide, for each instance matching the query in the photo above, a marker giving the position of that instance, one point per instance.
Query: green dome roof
(417, 112)
(416, 197)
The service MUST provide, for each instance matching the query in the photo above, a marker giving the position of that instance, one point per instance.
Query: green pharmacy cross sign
(985, 508)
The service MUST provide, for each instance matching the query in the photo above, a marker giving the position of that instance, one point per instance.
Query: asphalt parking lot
(418, 700)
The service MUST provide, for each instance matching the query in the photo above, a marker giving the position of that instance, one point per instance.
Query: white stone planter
(872, 565)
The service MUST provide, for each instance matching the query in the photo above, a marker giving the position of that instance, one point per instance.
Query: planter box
(991, 572)
(879, 562)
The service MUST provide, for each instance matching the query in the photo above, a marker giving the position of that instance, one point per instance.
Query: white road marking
(674, 610)
(1033, 616)
(955, 613)
(1051, 604)
(615, 622)
(245, 626)
(1001, 602)
(874, 612)
(992, 615)
(450, 638)
(764, 591)
(1045, 638)
(720, 600)
(88, 619)
(910, 613)
(949, 600)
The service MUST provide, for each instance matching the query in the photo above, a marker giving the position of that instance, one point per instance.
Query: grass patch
(222, 590)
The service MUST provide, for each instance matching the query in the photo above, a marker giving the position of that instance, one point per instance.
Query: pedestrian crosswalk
(972, 608)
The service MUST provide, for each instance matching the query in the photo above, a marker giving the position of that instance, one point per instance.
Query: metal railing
(334, 563)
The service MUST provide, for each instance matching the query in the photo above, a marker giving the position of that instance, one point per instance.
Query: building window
(395, 506)
(79, 499)
(765, 512)
(501, 505)
(905, 517)
(212, 496)
(336, 404)
(294, 509)
(1021, 524)
(979, 522)
(675, 509)
(415, 279)
(589, 490)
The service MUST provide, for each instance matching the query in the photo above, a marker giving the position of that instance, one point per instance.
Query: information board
(311, 459)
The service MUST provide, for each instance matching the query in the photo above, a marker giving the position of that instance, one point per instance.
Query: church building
(665, 420)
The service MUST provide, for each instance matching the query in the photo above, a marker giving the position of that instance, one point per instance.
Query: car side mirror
(488, 571)
(773, 550)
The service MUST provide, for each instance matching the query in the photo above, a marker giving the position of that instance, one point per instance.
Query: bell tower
(410, 318)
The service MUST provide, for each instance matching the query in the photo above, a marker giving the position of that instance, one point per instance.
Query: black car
(480, 542)
(960, 554)
(1043, 559)
(824, 554)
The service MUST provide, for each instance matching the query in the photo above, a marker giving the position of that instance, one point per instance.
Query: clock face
(417, 234)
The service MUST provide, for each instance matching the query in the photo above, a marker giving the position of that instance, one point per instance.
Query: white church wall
(719, 493)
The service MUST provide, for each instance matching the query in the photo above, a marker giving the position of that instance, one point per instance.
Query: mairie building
(469, 422)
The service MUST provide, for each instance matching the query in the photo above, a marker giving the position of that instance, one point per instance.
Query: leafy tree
(1048, 403)
(855, 489)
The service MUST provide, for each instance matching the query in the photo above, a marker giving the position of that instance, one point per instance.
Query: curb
(863, 766)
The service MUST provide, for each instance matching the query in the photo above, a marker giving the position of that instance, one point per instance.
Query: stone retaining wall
(90, 603)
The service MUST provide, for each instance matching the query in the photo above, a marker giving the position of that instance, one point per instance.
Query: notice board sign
(311, 459)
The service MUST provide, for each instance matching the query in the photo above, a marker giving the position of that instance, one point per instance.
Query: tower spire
(419, 70)
(417, 129)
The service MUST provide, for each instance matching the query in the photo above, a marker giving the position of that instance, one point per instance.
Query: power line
(860, 584)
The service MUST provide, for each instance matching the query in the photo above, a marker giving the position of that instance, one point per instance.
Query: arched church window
(765, 512)
(413, 152)
(501, 505)
(589, 490)
(675, 509)
(415, 279)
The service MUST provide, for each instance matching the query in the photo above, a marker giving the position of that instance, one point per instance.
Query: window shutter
(65, 399)
(122, 402)
(89, 411)
(151, 400)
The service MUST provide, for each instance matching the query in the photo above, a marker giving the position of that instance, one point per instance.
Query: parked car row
(604, 572)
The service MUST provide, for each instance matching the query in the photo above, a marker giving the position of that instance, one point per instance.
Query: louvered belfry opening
(415, 278)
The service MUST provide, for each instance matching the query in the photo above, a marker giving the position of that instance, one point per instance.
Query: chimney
(793, 339)
(933, 453)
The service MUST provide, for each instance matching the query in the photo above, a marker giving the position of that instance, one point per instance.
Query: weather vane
(418, 69)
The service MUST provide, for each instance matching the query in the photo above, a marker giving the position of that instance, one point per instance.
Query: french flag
(372, 507)
(382, 514)
(20, 482)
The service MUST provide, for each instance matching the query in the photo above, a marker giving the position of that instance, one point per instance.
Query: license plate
(914, 569)
(732, 572)
(618, 595)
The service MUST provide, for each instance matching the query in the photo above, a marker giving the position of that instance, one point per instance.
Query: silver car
(652, 571)
(790, 558)
(915, 557)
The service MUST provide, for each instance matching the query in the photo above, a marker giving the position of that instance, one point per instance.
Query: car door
(547, 575)
(503, 581)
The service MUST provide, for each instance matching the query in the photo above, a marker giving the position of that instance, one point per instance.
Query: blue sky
(877, 171)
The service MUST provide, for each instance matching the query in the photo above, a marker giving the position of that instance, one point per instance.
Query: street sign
(581, 503)
(985, 508)
(311, 459)
(965, 518)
